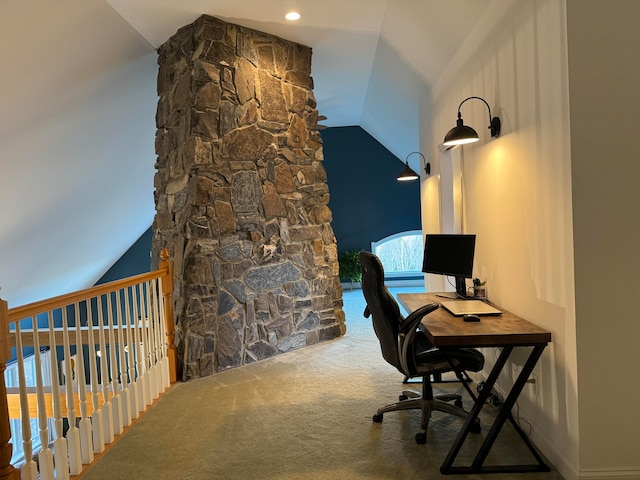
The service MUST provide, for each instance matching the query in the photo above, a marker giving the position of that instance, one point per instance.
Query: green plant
(349, 264)
(478, 283)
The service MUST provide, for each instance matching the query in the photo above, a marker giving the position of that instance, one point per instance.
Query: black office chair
(405, 347)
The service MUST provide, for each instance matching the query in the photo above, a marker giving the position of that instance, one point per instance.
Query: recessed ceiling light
(292, 15)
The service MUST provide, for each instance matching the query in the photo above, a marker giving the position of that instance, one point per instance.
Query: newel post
(7, 471)
(167, 294)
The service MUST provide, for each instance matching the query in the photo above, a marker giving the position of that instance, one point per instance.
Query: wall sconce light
(408, 174)
(461, 133)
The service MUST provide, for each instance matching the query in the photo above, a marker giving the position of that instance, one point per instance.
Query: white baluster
(160, 379)
(153, 394)
(152, 339)
(116, 401)
(107, 411)
(124, 384)
(139, 348)
(84, 426)
(133, 388)
(29, 470)
(144, 345)
(73, 435)
(60, 442)
(97, 421)
(45, 457)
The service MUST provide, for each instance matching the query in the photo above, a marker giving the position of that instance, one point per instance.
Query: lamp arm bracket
(494, 122)
(478, 98)
(427, 165)
(407, 158)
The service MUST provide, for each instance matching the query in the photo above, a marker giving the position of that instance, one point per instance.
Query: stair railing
(109, 363)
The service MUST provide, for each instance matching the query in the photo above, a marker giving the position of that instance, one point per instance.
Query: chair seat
(467, 359)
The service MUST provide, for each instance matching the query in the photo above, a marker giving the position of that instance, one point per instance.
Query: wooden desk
(506, 331)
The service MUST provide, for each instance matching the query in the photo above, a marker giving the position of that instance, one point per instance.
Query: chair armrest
(413, 320)
(406, 334)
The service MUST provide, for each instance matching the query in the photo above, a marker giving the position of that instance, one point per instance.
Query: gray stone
(293, 342)
(282, 327)
(209, 344)
(229, 345)
(274, 105)
(272, 203)
(226, 303)
(310, 322)
(247, 143)
(299, 289)
(262, 350)
(271, 276)
(246, 192)
(177, 184)
(229, 114)
(237, 289)
(235, 252)
(195, 347)
(207, 365)
(244, 80)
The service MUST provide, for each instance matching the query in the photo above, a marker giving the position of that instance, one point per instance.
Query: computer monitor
(451, 255)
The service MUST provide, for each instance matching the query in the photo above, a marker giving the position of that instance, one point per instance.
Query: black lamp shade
(460, 134)
(407, 174)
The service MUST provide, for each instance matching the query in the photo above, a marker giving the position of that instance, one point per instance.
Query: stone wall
(242, 199)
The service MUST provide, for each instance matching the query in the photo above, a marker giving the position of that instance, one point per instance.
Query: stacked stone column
(242, 199)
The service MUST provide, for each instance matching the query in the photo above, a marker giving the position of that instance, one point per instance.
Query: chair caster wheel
(421, 438)
(458, 403)
(402, 398)
(377, 418)
(476, 428)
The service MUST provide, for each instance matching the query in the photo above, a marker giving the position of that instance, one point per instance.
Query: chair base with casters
(427, 403)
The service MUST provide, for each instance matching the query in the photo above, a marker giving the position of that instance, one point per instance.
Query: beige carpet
(301, 415)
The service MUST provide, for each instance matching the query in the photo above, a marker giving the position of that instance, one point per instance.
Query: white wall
(517, 194)
(76, 144)
(604, 74)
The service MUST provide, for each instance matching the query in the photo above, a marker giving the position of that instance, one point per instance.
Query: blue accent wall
(366, 200)
(136, 260)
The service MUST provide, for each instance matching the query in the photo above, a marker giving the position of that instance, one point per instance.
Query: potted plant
(479, 288)
(349, 264)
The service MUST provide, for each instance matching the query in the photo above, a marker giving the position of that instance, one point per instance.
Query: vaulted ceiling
(77, 116)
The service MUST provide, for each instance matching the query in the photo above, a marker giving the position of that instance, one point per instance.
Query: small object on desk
(471, 318)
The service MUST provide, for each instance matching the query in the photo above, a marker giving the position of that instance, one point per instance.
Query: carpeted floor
(301, 415)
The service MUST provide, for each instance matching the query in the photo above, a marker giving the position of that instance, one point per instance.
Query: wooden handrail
(25, 311)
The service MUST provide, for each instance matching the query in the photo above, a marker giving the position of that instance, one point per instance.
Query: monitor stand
(461, 287)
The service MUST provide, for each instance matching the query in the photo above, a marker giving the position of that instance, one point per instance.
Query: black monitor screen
(449, 254)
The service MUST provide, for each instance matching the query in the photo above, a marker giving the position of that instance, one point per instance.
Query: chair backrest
(383, 307)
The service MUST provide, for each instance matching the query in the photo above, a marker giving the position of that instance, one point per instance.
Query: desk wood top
(444, 329)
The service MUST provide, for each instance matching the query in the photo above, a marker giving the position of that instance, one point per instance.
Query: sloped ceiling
(77, 116)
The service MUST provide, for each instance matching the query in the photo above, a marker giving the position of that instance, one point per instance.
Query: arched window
(400, 254)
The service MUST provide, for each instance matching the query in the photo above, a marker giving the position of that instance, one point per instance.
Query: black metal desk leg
(501, 417)
(447, 465)
(503, 414)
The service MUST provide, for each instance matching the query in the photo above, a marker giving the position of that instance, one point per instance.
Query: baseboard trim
(607, 474)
